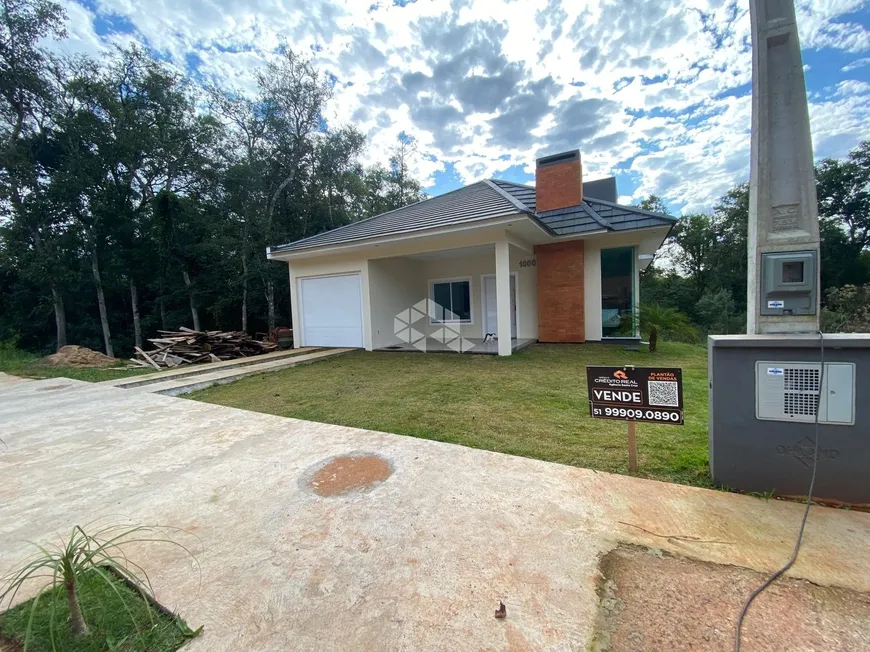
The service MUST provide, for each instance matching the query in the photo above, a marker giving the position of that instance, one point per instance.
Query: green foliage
(95, 558)
(847, 310)
(656, 321)
(116, 188)
(114, 611)
(717, 313)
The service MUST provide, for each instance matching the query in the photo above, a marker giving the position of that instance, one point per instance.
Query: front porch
(476, 299)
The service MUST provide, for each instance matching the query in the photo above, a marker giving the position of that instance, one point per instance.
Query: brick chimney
(558, 181)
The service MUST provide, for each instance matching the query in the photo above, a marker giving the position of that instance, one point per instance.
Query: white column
(294, 309)
(503, 295)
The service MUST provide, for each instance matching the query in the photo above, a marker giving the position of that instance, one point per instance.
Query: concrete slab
(196, 369)
(195, 382)
(6, 379)
(417, 561)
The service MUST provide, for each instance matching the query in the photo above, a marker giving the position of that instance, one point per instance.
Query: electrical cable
(797, 546)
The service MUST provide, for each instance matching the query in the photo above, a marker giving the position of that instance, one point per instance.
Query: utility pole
(783, 243)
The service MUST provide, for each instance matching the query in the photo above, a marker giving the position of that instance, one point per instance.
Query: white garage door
(331, 311)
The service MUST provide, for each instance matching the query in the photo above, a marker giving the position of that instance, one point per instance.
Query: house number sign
(528, 263)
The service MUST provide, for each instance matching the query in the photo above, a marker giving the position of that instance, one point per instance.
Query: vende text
(610, 396)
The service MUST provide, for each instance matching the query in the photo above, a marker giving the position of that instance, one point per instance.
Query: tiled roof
(479, 201)
(592, 215)
(482, 201)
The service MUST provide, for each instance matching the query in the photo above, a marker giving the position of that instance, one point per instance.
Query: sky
(655, 92)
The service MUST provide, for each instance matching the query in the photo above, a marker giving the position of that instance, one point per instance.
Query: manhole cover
(345, 474)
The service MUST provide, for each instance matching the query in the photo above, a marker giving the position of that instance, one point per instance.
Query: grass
(532, 404)
(21, 363)
(110, 612)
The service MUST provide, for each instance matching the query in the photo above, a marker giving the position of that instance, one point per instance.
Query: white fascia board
(356, 245)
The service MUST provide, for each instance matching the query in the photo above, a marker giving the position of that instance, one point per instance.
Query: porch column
(503, 296)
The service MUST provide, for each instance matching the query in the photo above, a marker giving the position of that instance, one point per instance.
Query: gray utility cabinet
(764, 392)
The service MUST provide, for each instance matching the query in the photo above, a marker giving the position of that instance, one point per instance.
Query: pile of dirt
(78, 356)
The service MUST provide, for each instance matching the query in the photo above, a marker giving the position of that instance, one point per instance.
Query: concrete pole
(783, 210)
(503, 295)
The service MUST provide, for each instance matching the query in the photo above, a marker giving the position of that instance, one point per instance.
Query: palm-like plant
(655, 320)
(100, 553)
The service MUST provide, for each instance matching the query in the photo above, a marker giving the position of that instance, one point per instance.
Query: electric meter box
(764, 391)
(788, 283)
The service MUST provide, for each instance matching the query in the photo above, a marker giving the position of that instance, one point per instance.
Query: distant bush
(659, 321)
(716, 313)
(847, 309)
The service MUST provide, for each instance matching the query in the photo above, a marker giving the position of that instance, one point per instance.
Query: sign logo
(619, 373)
(775, 371)
(776, 303)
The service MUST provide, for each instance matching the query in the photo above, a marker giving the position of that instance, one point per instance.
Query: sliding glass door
(617, 292)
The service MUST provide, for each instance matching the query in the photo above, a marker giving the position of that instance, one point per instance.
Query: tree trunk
(270, 302)
(77, 621)
(101, 300)
(162, 303)
(244, 293)
(193, 311)
(59, 316)
(653, 339)
(137, 325)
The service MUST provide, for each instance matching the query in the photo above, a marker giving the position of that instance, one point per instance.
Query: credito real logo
(619, 373)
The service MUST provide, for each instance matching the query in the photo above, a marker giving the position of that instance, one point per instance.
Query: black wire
(797, 546)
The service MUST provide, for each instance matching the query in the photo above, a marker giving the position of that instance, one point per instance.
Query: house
(487, 268)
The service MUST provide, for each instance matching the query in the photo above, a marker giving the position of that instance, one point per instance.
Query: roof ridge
(516, 203)
(595, 216)
(634, 209)
(513, 183)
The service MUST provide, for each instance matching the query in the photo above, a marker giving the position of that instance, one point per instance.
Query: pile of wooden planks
(187, 346)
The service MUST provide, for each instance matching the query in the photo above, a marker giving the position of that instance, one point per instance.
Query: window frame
(456, 279)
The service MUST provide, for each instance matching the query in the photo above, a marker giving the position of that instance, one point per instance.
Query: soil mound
(78, 356)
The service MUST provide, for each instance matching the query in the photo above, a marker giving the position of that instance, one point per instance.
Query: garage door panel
(332, 311)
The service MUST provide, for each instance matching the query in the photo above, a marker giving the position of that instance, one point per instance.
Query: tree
(117, 186)
(844, 194)
(405, 190)
(27, 96)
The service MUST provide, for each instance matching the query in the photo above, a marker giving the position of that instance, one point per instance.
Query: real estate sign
(651, 394)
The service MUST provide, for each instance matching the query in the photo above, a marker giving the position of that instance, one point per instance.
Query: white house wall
(394, 286)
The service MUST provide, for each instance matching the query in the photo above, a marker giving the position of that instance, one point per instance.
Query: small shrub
(84, 557)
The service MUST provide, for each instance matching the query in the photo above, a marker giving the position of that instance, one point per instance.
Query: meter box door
(788, 283)
(789, 391)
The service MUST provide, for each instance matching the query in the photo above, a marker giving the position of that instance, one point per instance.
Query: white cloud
(656, 89)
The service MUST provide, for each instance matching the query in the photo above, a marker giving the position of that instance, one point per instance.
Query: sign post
(632, 447)
(632, 394)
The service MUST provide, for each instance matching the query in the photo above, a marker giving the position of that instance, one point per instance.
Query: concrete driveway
(419, 557)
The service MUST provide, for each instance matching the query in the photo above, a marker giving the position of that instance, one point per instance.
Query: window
(793, 272)
(454, 297)
(617, 293)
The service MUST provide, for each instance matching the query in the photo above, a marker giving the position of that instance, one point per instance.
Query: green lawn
(532, 403)
(26, 365)
(118, 619)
